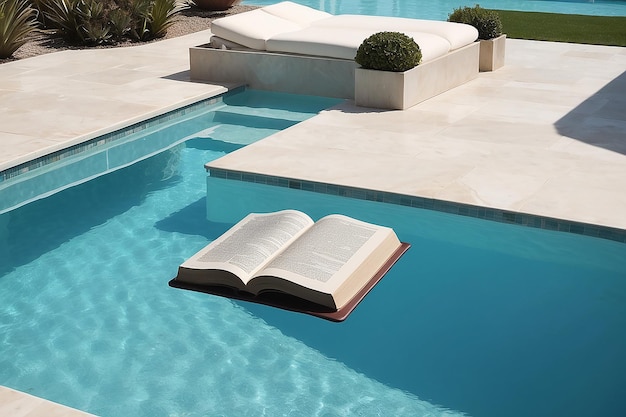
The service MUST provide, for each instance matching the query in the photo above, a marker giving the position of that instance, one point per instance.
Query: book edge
(343, 313)
(336, 315)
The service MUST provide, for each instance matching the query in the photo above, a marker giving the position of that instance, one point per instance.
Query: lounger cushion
(334, 42)
(293, 28)
(297, 13)
(252, 28)
(457, 34)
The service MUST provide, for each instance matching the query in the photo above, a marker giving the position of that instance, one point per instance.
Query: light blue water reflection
(440, 9)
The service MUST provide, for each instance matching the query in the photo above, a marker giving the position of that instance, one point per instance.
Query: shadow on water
(601, 119)
(191, 220)
(210, 144)
(44, 224)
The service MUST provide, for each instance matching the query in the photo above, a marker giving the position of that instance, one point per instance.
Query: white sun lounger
(295, 48)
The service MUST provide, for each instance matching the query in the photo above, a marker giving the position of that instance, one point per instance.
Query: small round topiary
(487, 22)
(389, 51)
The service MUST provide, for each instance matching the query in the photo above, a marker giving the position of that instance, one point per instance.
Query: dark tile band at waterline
(485, 213)
(107, 138)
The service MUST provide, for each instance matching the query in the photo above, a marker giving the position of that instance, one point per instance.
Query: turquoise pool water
(440, 9)
(479, 318)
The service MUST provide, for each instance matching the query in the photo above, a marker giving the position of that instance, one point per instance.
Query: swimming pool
(440, 9)
(480, 318)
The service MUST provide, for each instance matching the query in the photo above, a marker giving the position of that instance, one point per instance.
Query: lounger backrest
(456, 34)
(294, 28)
(297, 13)
(252, 29)
(334, 42)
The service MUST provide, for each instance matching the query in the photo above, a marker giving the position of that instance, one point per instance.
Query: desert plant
(139, 11)
(17, 21)
(486, 21)
(120, 22)
(91, 10)
(65, 17)
(161, 17)
(96, 33)
(95, 28)
(39, 6)
(99, 22)
(389, 51)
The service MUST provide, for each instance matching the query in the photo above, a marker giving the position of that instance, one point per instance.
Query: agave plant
(39, 6)
(97, 22)
(120, 22)
(65, 16)
(151, 18)
(17, 21)
(161, 17)
(80, 21)
(95, 33)
(91, 10)
(140, 13)
(94, 28)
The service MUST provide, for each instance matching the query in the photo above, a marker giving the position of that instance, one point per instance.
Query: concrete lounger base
(261, 70)
(332, 77)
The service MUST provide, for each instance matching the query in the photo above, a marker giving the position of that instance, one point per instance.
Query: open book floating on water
(286, 260)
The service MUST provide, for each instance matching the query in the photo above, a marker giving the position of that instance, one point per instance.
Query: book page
(251, 242)
(319, 255)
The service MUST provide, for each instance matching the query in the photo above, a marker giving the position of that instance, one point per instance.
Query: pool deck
(18, 404)
(544, 135)
(53, 101)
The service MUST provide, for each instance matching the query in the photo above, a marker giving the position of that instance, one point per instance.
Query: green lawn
(597, 30)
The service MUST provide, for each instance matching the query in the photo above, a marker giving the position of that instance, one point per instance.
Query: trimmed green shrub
(389, 51)
(486, 21)
(17, 21)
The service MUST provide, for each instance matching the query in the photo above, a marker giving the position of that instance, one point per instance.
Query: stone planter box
(401, 90)
(331, 77)
(492, 53)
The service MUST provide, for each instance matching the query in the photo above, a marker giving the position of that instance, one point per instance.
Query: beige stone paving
(56, 100)
(545, 135)
(18, 404)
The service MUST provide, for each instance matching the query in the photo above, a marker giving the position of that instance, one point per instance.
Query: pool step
(252, 115)
(278, 105)
(258, 119)
(245, 125)
(241, 130)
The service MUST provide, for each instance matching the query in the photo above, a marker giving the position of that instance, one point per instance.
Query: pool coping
(92, 142)
(18, 403)
(461, 209)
